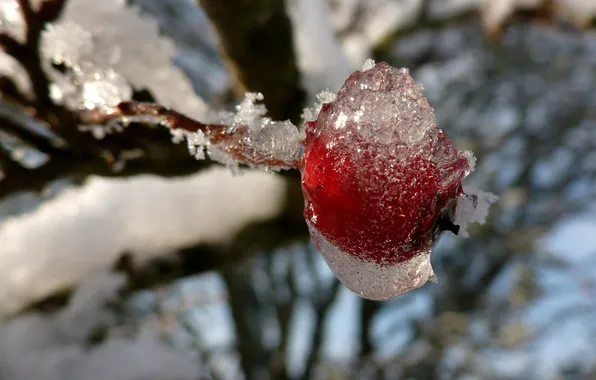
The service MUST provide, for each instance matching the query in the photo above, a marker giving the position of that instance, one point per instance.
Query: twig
(30, 57)
(48, 146)
(322, 306)
(169, 117)
(246, 313)
(233, 142)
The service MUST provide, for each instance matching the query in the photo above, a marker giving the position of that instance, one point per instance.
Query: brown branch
(285, 298)
(30, 57)
(168, 117)
(106, 157)
(28, 13)
(11, 46)
(368, 309)
(28, 53)
(85, 154)
(233, 142)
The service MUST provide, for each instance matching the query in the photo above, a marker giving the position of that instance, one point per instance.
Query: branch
(256, 37)
(30, 57)
(247, 315)
(234, 142)
(284, 309)
(161, 114)
(322, 306)
(80, 154)
(368, 309)
(50, 10)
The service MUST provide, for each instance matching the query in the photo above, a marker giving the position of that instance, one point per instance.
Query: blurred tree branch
(272, 72)
(40, 123)
(322, 302)
(256, 37)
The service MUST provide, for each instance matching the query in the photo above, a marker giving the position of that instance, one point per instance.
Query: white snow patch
(86, 229)
(472, 207)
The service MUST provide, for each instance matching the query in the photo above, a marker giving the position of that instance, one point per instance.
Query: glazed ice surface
(376, 174)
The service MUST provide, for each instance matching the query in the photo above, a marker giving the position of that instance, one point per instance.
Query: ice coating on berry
(370, 279)
(376, 174)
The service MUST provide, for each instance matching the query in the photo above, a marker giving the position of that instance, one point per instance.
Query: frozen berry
(378, 176)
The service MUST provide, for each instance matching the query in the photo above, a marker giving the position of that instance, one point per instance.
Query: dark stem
(256, 38)
(322, 306)
(29, 56)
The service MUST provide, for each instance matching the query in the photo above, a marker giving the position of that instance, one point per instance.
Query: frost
(277, 140)
(258, 141)
(196, 143)
(388, 97)
(93, 66)
(66, 43)
(472, 207)
(101, 131)
(248, 112)
(104, 88)
(311, 113)
(368, 64)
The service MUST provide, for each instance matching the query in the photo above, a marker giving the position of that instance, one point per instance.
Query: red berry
(376, 175)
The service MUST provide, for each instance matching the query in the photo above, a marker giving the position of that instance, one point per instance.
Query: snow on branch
(51, 68)
(246, 137)
(84, 79)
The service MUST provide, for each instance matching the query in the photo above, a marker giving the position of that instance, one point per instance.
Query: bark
(256, 38)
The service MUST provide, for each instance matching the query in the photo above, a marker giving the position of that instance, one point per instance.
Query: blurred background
(122, 257)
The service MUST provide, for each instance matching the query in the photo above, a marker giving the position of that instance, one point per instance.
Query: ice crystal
(260, 142)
